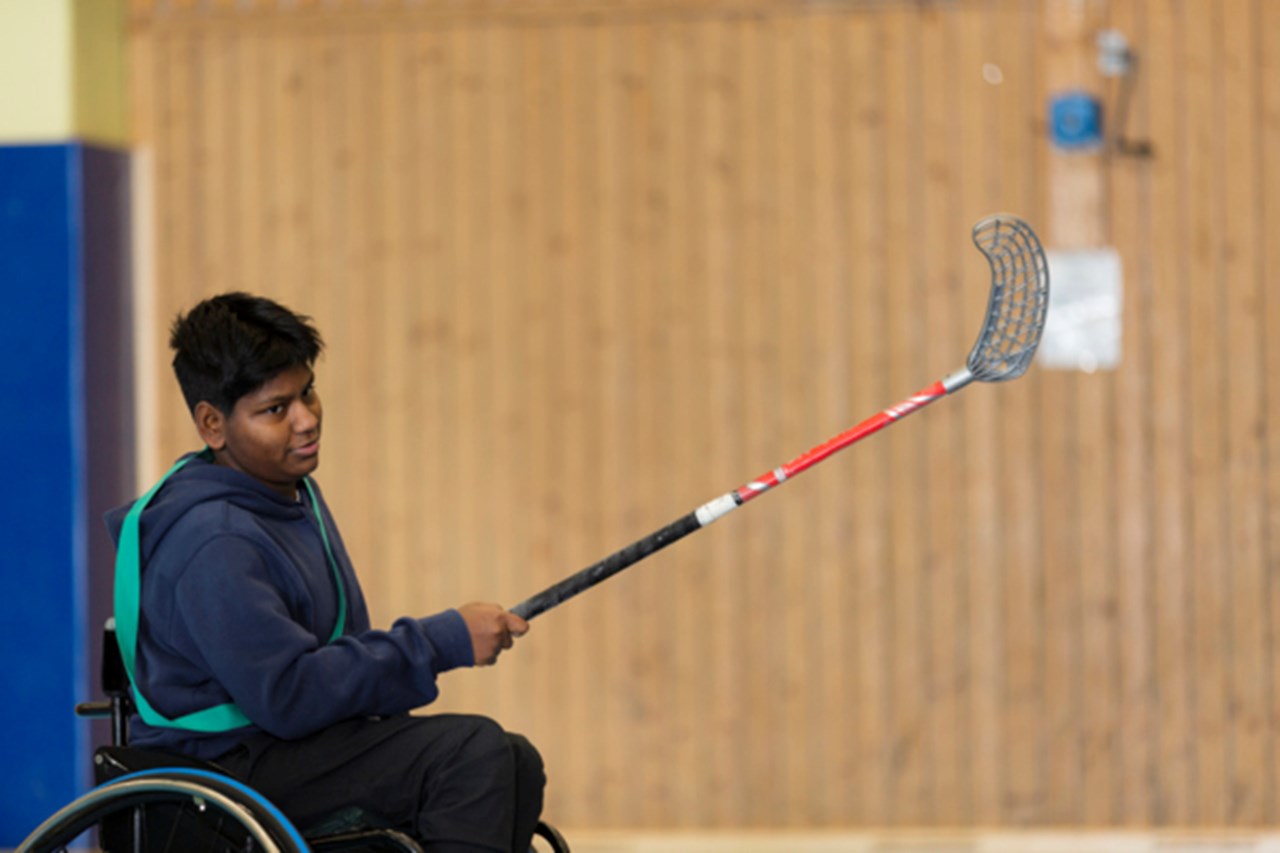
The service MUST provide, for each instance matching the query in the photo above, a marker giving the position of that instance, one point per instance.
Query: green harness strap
(219, 718)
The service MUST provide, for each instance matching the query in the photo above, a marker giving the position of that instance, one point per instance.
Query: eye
(277, 409)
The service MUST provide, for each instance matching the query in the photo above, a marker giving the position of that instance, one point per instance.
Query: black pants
(454, 782)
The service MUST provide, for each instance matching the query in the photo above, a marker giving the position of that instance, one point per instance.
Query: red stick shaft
(873, 424)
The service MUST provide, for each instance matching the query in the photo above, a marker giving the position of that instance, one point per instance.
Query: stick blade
(1019, 298)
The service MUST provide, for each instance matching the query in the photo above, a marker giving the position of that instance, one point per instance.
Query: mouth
(307, 451)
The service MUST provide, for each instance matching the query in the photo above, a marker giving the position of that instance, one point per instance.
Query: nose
(305, 418)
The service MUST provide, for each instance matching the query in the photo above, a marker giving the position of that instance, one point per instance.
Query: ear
(211, 423)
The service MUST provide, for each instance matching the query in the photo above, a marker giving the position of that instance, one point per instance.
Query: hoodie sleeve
(233, 617)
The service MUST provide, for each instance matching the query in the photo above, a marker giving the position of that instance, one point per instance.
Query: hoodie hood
(201, 481)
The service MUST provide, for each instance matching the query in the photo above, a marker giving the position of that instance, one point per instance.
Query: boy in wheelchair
(244, 630)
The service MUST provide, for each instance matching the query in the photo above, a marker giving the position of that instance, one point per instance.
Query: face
(273, 434)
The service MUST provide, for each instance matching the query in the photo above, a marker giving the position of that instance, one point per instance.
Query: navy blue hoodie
(237, 605)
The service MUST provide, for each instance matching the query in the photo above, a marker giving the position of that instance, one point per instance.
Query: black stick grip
(608, 567)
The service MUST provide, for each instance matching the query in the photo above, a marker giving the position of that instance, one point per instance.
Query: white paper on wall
(1082, 331)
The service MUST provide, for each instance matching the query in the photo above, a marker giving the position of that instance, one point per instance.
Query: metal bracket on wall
(1117, 60)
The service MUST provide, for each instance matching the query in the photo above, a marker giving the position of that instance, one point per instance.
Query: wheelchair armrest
(94, 710)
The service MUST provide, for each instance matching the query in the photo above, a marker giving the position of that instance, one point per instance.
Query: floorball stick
(1010, 334)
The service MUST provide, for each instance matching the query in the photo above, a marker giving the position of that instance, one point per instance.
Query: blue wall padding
(108, 389)
(47, 194)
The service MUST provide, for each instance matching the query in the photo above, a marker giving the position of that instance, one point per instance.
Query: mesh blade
(1019, 299)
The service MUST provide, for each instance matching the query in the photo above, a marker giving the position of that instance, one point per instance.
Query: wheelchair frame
(234, 816)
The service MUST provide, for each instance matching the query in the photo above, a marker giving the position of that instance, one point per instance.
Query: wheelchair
(148, 801)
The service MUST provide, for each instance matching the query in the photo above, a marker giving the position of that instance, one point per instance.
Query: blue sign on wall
(1075, 121)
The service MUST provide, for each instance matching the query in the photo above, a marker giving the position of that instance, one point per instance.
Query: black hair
(233, 344)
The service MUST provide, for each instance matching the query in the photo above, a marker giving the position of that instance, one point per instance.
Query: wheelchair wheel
(198, 811)
(554, 840)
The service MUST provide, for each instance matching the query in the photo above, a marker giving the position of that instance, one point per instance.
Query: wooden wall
(583, 266)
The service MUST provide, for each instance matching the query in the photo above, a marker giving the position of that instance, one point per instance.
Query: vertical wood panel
(431, 330)
(787, 291)
(1199, 210)
(1267, 34)
(580, 269)
(823, 192)
(533, 193)
(1076, 184)
(1245, 384)
(173, 233)
(905, 652)
(1129, 219)
(610, 793)
(1174, 794)
(577, 175)
(213, 66)
(982, 514)
(649, 650)
(675, 338)
(932, 289)
(1026, 505)
(756, 324)
(1073, 222)
(356, 334)
(719, 162)
(867, 157)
